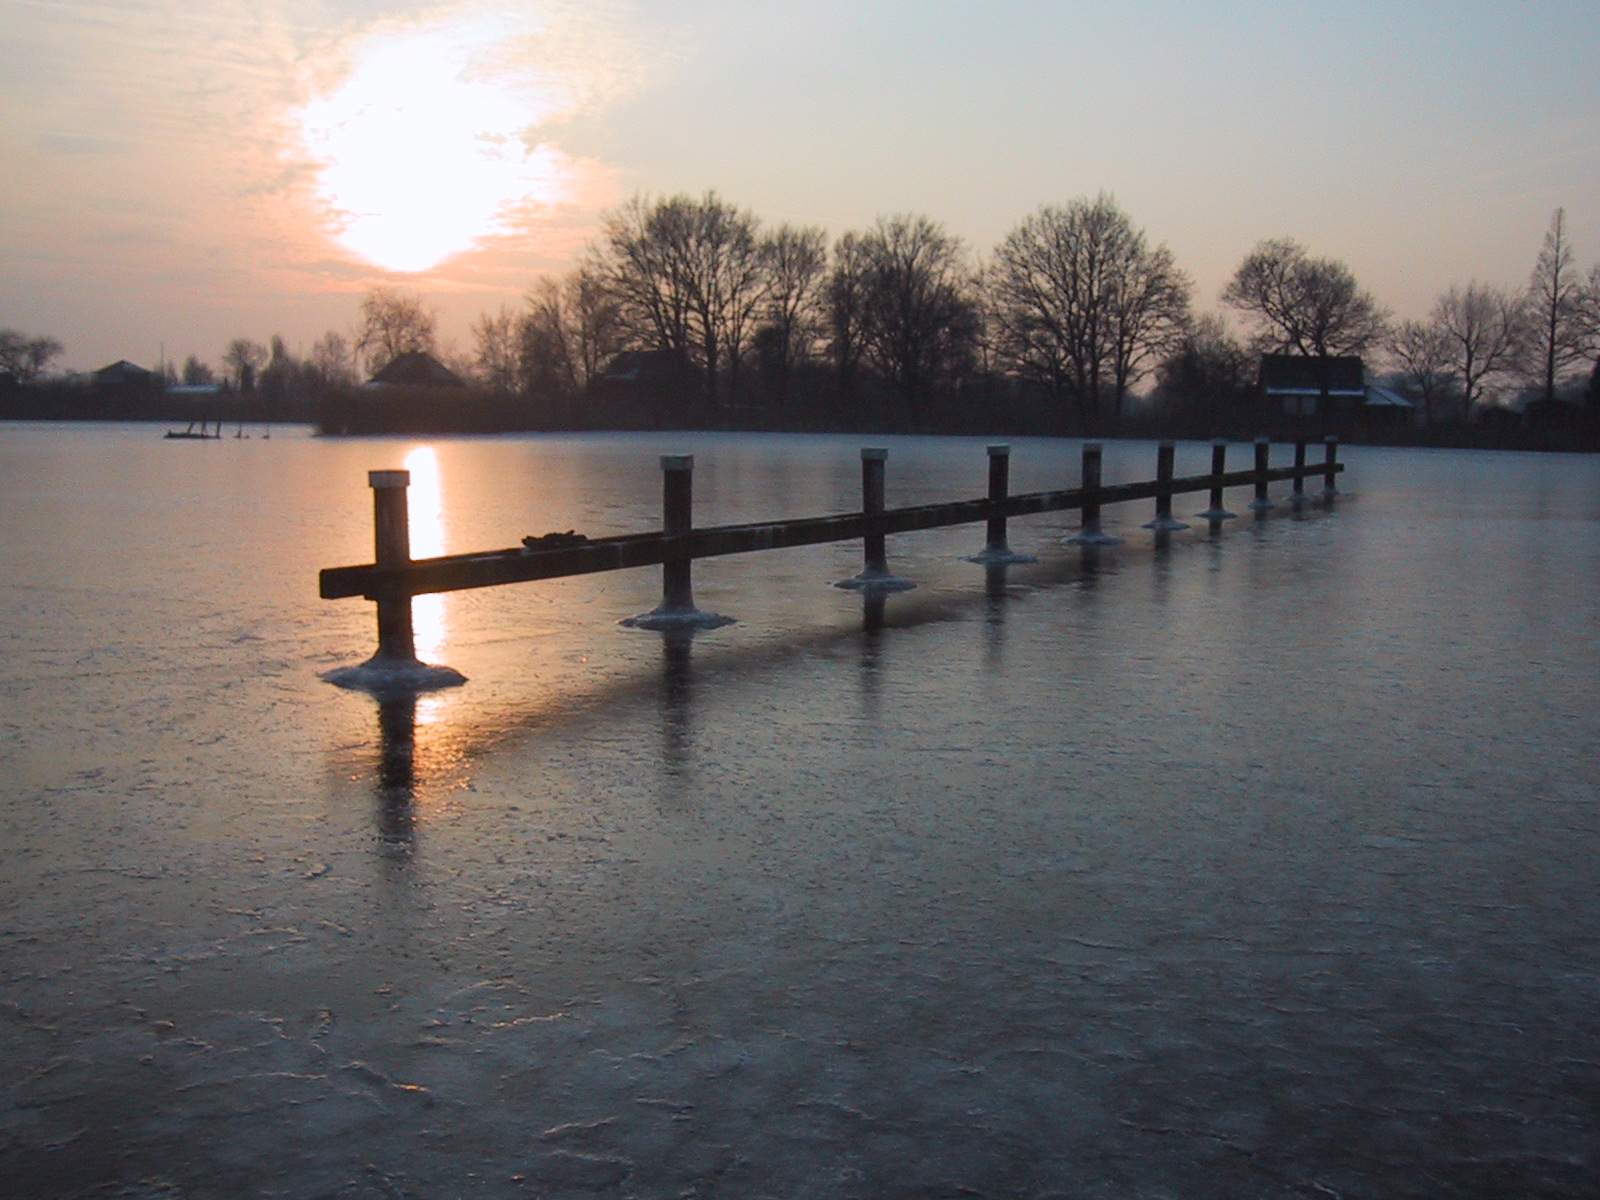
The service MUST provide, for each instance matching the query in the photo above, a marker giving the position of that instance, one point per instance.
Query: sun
(425, 148)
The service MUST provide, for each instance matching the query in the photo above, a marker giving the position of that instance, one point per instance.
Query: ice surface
(1258, 865)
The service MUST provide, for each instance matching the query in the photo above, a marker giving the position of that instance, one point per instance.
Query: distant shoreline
(1132, 429)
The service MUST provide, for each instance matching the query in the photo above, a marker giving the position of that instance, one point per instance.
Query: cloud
(78, 143)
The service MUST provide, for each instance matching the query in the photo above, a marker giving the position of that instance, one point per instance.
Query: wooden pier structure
(395, 577)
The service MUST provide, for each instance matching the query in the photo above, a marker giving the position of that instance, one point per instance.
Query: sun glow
(427, 146)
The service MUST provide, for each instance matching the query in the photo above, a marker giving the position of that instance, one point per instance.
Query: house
(125, 389)
(1555, 415)
(1294, 384)
(124, 374)
(661, 369)
(416, 369)
(645, 387)
(1385, 406)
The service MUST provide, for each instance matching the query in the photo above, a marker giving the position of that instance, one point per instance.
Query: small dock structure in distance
(395, 577)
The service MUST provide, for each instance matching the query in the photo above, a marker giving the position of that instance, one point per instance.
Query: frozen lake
(1256, 865)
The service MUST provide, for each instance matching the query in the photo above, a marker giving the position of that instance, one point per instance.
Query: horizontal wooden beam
(458, 572)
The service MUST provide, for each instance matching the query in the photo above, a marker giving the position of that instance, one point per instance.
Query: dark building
(124, 390)
(646, 369)
(417, 369)
(1556, 416)
(646, 387)
(1299, 386)
(124, 374)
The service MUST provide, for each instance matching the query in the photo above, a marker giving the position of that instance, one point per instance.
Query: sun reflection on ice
(425, 510)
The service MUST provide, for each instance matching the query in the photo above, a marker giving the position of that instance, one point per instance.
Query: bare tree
(920, 313)
(1310, 306)
(496, 349)
(1424, 353)
(570, 330)
(333, 359)
(594, 324)
(740, 280)
(797, 262)
(393, 323)
(26, 357)
(1589, 310)
(1148, 313)
(196, 373)
(688, 276)
(243, 358)
(1207, 373)
(1485, 327)
(545, 363)
(1555, 296)
(637, 263)
(844, 300)
(1083, 305)
(280, 378)
(1304, 305)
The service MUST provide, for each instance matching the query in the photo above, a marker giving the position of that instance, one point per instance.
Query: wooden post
(677, 520)
(1330, 457)
(394, 670)
(1164, 521)
(874, 548)
(1297, 496)
(999, 485)
(996, 550)
(1089, 532)
(1263, 453)
(875, 559)
(677, 610)
(391, 529)
(1219, 464)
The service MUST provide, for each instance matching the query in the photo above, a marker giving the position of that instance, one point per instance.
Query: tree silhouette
(393, 323)
(919, 316)
(1082, 304)
(1486, 328)
(1424, 352)
(1558, 340)
(797, 260)
(26, 357)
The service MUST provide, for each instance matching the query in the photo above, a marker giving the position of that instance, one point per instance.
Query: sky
(178, 175)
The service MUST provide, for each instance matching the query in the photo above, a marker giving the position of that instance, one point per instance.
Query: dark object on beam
(553, 541)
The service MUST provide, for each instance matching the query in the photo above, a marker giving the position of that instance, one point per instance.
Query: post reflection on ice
(874, 609)
(397, 772)
(421, 759)
(425, 510)
(994, 619)
(677, 696)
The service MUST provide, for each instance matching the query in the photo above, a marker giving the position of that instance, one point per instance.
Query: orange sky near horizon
(180, 178)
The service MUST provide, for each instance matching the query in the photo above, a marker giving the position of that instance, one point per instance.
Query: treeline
(691, 312)
(1075, 321)
(723, 321)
